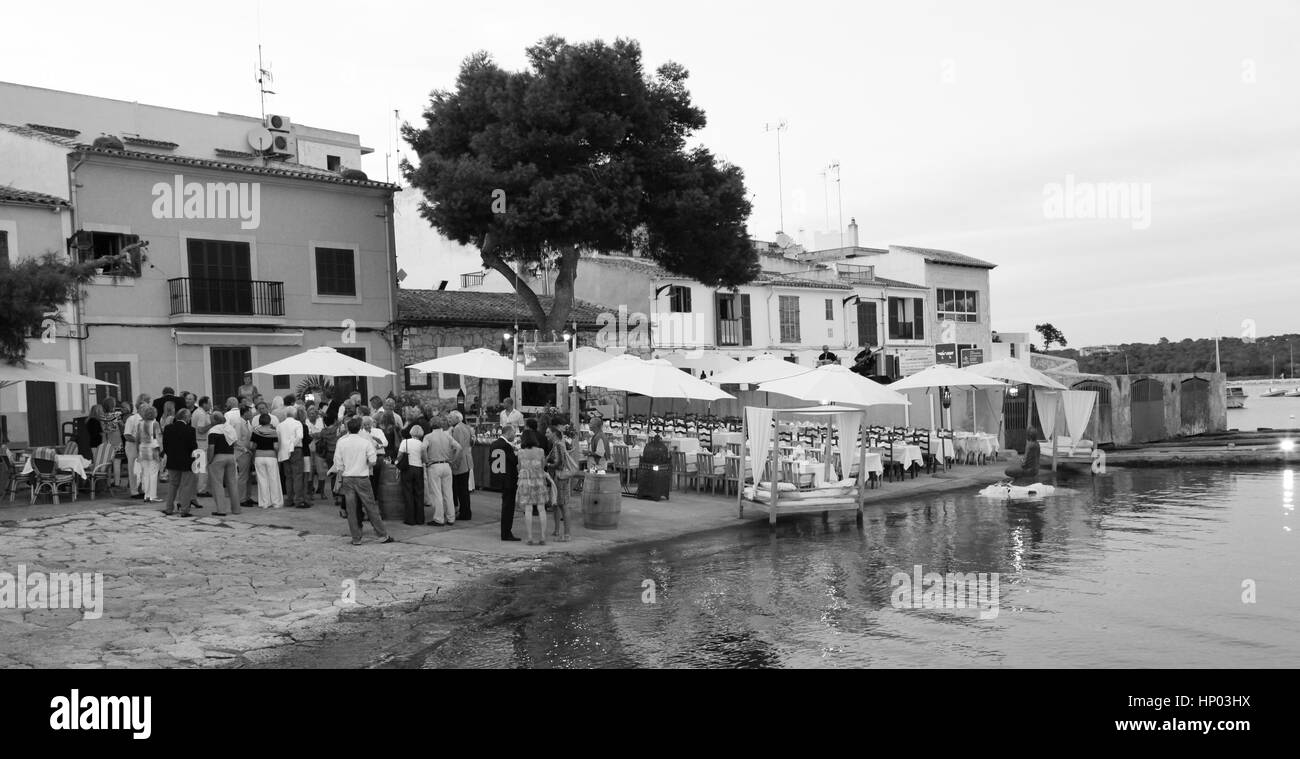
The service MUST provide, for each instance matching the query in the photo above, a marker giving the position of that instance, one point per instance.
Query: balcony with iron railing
(473, 279)
(225, 297)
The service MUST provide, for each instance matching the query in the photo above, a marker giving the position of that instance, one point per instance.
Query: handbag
(403, 460)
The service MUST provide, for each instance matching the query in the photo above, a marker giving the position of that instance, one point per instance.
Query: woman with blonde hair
(149, 458)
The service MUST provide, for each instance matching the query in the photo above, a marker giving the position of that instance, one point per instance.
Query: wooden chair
(801, 480)
(682, 470)
(51, 480)
(947, 442)
(731, 474)
(104, 469)
(71, 448)
(733, 449)
(621, 461)
(922, 439)
(706, 472)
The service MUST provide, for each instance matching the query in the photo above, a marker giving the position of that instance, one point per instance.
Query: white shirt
(290, 438)
(354, 456)
(512, 417)
(201, 421)
(414, 451)
(132, 426)
(381, 440)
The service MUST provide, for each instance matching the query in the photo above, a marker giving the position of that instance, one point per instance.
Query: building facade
(218, 259)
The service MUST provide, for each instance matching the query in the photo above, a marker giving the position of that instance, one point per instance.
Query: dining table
(71, 462)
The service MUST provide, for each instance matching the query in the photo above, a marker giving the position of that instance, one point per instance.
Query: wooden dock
(1233, 448)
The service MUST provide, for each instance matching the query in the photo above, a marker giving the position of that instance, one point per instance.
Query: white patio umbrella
(765, 368)
(835, 384)
(709, 362)
(1015, 372)
(938, 376)
(323, 360)
(12, 373)
(483, 363)
(656, 379)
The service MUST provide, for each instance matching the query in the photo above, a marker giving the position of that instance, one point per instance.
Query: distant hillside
(1239, 359)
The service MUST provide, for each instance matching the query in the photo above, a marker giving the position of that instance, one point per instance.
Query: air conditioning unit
(284, 144)
(277, 123)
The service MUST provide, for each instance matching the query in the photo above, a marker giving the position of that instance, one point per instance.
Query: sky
(980, 127)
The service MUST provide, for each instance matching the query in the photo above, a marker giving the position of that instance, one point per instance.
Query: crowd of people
(292, 451)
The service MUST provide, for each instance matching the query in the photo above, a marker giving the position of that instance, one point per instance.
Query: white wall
(30, 163)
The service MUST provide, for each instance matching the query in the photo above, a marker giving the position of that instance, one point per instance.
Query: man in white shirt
(131, 436)
(289, 454)
(201, 420)
(315, 426)
(511, 416)
(353, 457)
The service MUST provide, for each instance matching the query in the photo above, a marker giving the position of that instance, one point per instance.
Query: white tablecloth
(976, 442)
(720, 439)
(905, 455)
(74, 462)
(688, 445)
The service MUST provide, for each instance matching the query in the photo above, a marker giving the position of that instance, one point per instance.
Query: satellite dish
(784, 240)
(259, 137)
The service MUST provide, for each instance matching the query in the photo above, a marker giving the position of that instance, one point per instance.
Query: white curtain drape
(1078, 405)
(848, 426)
(993, 398)
(1047, 401)
(759, 444)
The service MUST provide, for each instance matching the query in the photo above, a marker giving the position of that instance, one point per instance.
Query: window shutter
(895, 305)
(746, 330)
(918, 318)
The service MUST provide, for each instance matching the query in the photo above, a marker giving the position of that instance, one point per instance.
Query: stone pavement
(235, 590)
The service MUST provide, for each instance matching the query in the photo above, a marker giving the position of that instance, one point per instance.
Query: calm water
(1277, 413)
(1142, 568)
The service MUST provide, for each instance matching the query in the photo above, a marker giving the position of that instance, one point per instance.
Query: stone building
(436, 323)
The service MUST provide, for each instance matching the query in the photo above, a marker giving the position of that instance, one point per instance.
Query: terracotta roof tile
(947, 257)
(470, 308)
(26, 197)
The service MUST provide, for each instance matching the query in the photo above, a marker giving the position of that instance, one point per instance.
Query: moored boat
(1292, 393)
(1273, 392)
(1236, 396)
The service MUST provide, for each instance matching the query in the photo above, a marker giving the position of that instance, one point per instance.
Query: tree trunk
(564, 279)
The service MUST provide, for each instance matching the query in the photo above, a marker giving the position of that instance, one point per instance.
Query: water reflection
(1135, 568)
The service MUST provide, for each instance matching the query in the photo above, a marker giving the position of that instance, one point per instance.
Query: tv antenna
(839, 192)
(263, 79)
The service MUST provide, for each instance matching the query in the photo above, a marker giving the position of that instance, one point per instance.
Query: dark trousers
(507, 513)
(460, 494)
(413, 495)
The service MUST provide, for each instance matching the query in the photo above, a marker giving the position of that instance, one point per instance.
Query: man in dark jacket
(504, 465)
(179, 445)
(168, 394)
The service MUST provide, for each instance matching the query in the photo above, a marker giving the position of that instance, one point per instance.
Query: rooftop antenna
(779, 127)
(263, 78)
(397, 145)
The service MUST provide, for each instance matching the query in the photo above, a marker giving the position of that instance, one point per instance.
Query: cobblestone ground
(207, 592)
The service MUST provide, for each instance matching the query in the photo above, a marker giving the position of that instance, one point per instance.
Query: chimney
(853, 231)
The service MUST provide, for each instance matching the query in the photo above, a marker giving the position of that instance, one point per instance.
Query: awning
(238, 338)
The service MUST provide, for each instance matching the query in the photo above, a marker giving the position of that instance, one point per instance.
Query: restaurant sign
(913, 360)
(971, 356)
(546, 357)
(946, 353)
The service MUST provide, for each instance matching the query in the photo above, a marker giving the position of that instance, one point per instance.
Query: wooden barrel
(390, 493)
(602, 501)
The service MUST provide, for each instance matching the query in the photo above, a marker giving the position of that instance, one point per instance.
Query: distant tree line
(1261, 358)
